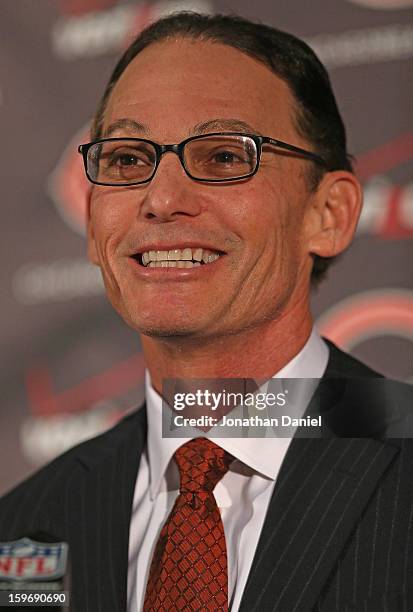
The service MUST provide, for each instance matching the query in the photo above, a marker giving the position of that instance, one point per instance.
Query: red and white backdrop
(70, 367)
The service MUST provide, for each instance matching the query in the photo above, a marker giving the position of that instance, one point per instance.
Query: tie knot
(201, 465)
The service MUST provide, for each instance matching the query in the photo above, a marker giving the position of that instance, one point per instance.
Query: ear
(91, 243)
(335, 211)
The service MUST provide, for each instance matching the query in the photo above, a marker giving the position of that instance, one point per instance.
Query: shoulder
(43, 490)
(356, 401)
(343, 364)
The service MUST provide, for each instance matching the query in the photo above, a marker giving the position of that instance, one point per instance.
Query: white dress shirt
(242, 495)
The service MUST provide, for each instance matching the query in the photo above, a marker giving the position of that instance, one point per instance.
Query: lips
(187, 257)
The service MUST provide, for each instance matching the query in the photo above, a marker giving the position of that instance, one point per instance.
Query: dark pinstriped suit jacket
(338, 534)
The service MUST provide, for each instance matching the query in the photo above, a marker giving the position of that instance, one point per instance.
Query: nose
(171, 193)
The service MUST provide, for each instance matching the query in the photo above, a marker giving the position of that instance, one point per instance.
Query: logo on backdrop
(370, 314)
(388, 208)
(79, 7)
(384, 4)
(68, 186)
(366, 45)
(59, 419)
(91, 31)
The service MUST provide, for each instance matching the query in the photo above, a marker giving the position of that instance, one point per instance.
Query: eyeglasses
(214, 158)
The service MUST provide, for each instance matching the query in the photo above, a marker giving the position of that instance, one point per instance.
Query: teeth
(187, 254)
(210, 257)
(178, 258)
(174, 255)
(197, 254)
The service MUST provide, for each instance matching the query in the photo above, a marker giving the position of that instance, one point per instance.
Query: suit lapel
(322, 489)
(323, 486)
(105, 504)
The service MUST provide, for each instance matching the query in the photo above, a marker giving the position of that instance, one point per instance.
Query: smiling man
(258, 235)
(222, 190)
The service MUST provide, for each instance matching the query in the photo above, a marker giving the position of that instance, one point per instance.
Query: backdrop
(70, 366)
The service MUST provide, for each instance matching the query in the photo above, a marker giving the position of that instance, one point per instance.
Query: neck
(254, 353)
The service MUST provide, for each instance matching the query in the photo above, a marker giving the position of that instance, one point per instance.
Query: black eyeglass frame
(178, 149)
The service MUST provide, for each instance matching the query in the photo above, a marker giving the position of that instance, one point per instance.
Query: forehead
(174, 85)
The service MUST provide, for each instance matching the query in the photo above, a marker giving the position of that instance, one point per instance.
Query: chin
(163, 320)
(162, 328)
(157, 332)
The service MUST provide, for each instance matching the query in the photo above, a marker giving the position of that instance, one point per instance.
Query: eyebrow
(224, 125)
(129, 125)
(214, 125)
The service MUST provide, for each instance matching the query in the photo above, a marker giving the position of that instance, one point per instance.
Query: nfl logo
(26, 559)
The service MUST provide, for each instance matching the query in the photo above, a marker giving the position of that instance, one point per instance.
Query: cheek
(250, 210)
(286, 203)
(279, 229)
(263, 215)
(111, 215)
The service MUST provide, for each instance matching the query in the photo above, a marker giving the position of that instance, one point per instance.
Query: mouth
(188, 257)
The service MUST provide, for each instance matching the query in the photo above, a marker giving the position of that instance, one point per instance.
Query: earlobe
(91, 243)
(335, 213)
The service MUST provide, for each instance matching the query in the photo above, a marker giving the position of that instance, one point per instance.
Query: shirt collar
(256, 453)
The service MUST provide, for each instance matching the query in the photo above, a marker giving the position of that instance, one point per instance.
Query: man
(207, 247)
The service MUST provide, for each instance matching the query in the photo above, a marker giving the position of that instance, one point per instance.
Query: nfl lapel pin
(28, 560)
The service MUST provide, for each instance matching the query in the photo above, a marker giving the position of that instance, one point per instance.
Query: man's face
(177, 89)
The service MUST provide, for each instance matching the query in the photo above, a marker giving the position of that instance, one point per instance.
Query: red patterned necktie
(189, 566)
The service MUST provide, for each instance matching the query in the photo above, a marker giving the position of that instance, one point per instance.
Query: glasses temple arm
(289, 147)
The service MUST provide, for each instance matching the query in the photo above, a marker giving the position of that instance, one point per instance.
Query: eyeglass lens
(208, 158)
